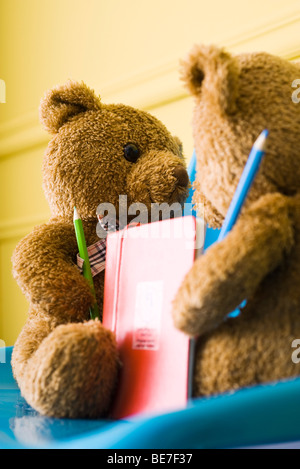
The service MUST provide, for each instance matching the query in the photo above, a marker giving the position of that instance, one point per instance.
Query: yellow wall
(128, 50)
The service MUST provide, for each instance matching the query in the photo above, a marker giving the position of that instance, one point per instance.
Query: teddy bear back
(238, 96)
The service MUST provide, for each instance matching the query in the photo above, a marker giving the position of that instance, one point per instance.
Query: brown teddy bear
(65, 364)
(236, 98)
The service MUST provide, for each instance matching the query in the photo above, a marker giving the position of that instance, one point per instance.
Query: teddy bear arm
(231, 270)
(43, 265)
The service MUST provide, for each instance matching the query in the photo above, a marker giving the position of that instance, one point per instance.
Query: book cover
(145, 266)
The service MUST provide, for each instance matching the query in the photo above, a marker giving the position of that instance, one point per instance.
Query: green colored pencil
(83, 253)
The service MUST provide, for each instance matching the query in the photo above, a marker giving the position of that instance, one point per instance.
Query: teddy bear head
(101, 151)
(236, 98)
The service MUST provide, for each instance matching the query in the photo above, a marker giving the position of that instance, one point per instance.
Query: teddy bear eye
(131, 152)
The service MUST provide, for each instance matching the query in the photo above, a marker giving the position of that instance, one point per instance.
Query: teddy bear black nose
(182, 176)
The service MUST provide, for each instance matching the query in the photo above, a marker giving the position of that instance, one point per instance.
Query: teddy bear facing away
(236, 97)
(65, 364)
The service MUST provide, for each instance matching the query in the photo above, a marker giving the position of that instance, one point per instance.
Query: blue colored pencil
(252, 166)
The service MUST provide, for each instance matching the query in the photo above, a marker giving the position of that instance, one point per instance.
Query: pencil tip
(76, 216)
(261, 142)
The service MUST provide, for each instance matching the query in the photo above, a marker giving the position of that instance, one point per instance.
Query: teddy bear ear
(64, 102)
(212, 74)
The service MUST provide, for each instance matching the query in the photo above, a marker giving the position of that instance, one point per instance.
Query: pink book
(145, 266)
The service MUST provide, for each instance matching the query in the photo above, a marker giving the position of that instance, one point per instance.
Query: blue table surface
(258, 416)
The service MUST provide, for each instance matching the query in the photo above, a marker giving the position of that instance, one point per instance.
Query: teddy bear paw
(73, 373)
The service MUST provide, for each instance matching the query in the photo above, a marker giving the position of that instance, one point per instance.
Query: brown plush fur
(236, 97)
(67, 365)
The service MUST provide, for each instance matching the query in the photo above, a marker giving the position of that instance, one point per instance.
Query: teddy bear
(236, 97)
(65, 363)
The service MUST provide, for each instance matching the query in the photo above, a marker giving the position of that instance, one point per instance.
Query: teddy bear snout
(182, 177)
